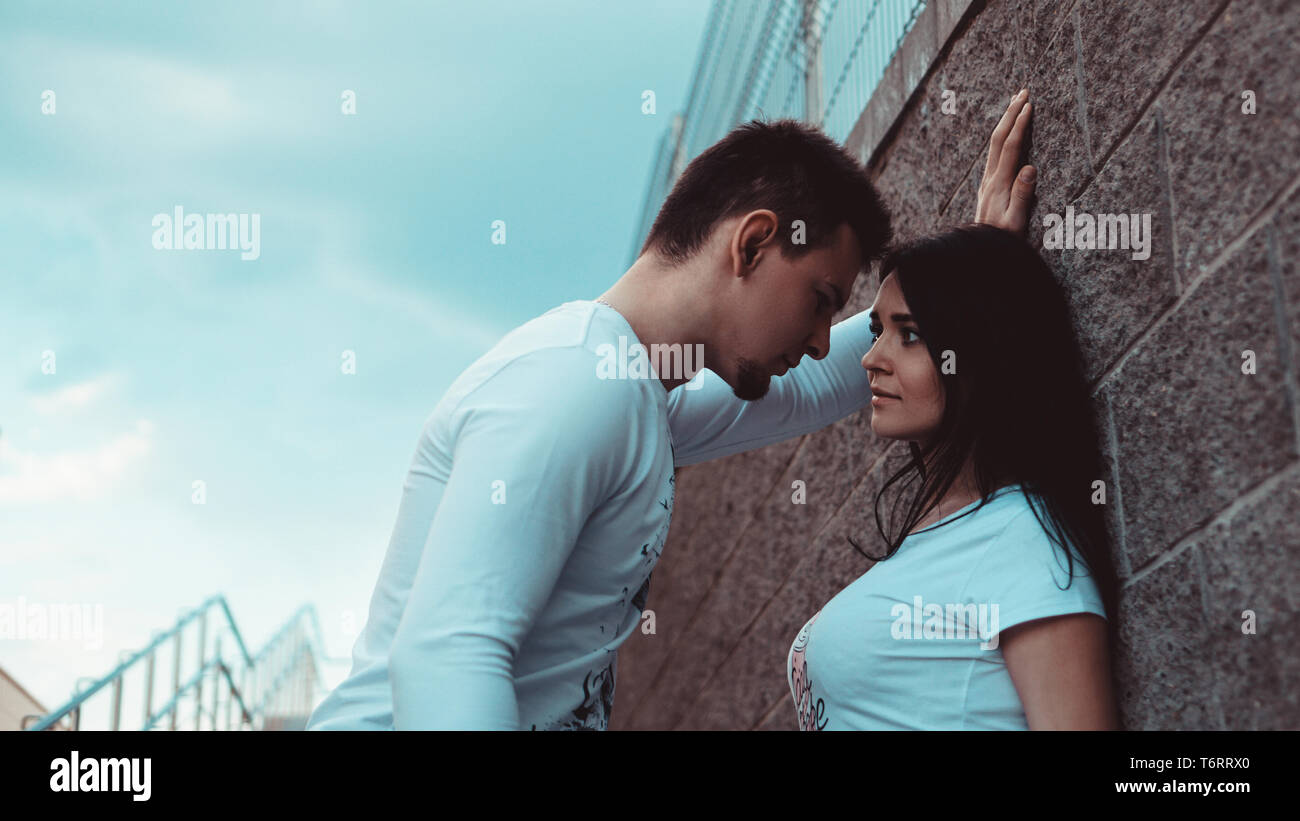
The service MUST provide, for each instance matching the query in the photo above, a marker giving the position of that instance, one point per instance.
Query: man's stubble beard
(752, 380)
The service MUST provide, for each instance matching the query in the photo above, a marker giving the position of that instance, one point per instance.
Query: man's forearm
(458, 681)
(711, 422)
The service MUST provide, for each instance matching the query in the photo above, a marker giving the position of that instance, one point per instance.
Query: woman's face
(899, 364)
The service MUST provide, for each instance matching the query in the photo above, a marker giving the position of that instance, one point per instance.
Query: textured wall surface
(1137, 109)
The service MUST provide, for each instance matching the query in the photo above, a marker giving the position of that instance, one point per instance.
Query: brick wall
(1138, 109)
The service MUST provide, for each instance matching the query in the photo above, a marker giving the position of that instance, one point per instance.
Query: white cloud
(172, 88)
(446, 320)
(73, 396)
(139, 106)
(27, 477)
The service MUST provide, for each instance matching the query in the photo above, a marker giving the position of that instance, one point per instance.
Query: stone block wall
(1138, 109)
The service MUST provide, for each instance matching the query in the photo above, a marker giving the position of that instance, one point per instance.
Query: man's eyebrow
(895, 317)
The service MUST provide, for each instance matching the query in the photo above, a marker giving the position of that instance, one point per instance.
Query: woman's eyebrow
(894, 317)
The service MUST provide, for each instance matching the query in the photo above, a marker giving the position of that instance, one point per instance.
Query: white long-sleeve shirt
(533, 513)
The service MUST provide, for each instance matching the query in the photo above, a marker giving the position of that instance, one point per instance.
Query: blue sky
(172, 366)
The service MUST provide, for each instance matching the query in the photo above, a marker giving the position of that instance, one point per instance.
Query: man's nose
(820, 345)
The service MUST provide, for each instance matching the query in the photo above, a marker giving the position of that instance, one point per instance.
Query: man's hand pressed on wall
(1004, 195)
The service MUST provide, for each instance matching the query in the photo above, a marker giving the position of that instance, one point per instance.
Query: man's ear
(755, 230)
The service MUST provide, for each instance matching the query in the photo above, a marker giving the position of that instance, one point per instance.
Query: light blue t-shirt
(913, 643)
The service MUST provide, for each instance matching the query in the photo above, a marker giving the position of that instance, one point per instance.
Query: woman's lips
(880, 399)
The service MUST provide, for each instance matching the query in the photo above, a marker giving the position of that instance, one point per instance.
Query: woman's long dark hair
(1018, 405)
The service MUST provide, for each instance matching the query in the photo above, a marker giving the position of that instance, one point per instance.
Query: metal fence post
(115, 721)
(148, 684)
(176, 679)
(216, 682)
(246, 695)
(812, 39)
(198, 683)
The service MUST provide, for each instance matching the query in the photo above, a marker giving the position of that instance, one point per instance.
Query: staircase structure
(227, 687)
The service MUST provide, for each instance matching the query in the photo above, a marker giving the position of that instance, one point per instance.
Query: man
(541, 491)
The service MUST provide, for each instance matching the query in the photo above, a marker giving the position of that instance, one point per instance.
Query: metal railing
(814, 60)
(271, 690)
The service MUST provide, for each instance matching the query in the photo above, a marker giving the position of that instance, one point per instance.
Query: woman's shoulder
(1026, 561)
(1010, 531)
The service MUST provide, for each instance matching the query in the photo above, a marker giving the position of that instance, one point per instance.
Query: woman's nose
(871, 360)
(865, 357)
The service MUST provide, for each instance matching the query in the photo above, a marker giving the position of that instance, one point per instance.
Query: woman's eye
(877, 330)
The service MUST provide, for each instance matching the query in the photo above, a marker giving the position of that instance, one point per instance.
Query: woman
(975, 616)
